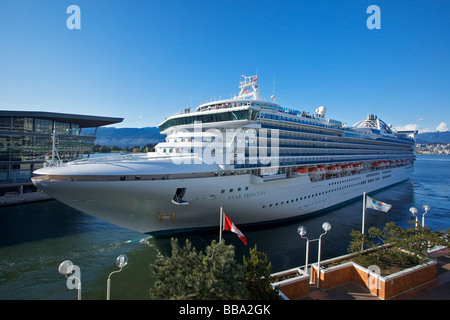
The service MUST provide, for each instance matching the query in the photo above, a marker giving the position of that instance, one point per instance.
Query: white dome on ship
(321, 110)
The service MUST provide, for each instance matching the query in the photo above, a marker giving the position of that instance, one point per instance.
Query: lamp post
(427, 208)
(326, 227)
(414, 211)
(302, 232)
(121, 261)
(66, 268)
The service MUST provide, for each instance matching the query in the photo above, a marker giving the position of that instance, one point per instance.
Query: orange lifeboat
(317, 173)
(301, 171)
(334, 169)
(347, 167)
(318, 170)
(358, 166)
(378, 164)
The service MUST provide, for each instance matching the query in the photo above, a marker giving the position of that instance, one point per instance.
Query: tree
(257, 276)
(358, 242)
(189, 274)
(224, 276)
(177, 276)
(415, 240)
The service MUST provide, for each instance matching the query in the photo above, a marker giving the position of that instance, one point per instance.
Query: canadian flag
(228, 225)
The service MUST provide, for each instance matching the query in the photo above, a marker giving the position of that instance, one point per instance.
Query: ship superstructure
(260, 161)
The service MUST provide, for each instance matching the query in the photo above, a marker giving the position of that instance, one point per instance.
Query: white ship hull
(146, 206)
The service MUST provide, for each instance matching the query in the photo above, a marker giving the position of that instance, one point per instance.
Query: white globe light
(301, 231)
(122, 261)
(65, 267)
(326, 226)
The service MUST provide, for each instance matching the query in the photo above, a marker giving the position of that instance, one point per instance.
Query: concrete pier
(18, 198)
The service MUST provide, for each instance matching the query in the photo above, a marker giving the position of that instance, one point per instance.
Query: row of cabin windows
(314, 195)
(232, 190)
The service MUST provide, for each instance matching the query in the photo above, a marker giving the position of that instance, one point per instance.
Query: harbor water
(36, 237)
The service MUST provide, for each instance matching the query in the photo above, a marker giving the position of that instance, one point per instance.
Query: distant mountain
(126, 137)
(433, 137)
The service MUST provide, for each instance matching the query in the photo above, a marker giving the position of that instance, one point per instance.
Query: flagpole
(221, 224)
(363, 219)
(364, 212)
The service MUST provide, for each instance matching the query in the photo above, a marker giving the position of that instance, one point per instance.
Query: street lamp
(302, 232)
(74, 281)
(427, 208)
(414, 211)
(326, 227)
(121, 261)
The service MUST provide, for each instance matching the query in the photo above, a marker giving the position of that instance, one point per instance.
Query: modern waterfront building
(26, 141)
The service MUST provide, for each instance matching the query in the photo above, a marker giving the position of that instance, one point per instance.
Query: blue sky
(145, 60)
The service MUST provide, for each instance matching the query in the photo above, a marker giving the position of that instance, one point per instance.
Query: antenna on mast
(273, 91)
(190, 103)
(249, 88)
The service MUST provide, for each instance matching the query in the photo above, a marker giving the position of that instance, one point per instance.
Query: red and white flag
(228, 225)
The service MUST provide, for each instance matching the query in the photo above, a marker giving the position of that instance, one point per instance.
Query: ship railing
(121, 157)
(53, 163)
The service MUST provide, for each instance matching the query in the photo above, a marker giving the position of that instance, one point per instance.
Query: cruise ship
(259, 161)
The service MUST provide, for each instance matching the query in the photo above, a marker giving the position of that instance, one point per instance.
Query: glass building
(26, 142)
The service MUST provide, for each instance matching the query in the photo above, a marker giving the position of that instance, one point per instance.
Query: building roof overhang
(84, 121)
